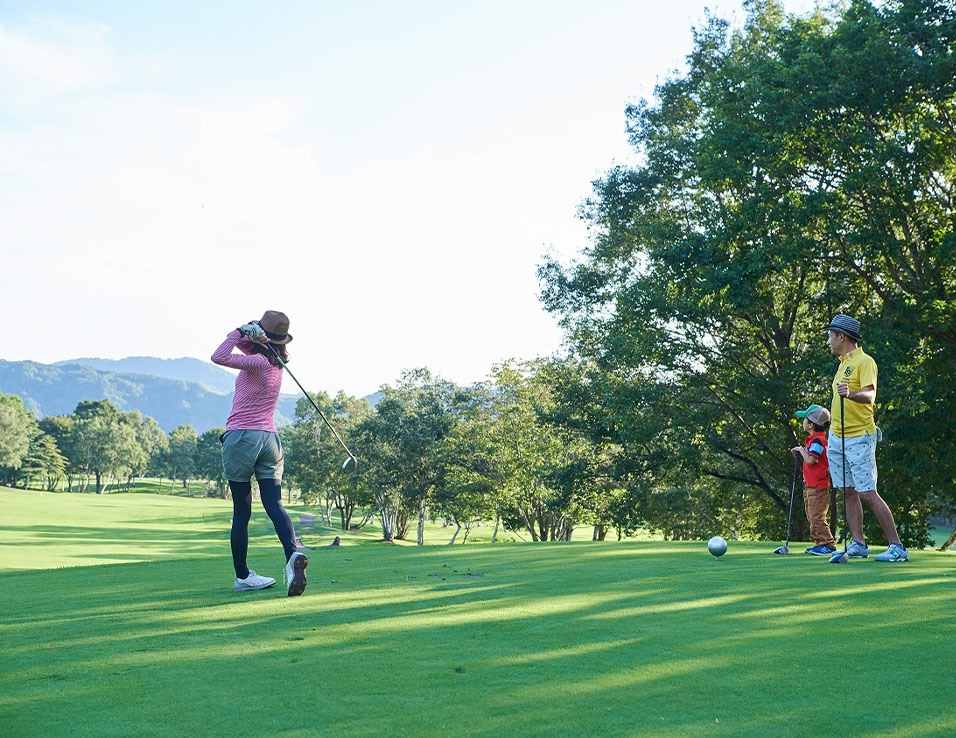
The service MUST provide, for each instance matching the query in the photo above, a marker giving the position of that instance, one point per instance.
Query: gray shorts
(248, 452)
(860, 461)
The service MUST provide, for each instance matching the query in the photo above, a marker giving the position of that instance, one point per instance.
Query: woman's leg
(270, 492)
(239, 537)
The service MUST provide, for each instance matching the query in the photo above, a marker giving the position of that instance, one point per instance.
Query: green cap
(815, 414)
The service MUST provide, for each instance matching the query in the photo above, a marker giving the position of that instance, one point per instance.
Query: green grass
(609, 639)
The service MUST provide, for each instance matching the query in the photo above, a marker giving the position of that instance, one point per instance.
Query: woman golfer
(250, 445)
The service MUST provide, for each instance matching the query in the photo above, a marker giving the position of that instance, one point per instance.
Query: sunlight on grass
(533, 640)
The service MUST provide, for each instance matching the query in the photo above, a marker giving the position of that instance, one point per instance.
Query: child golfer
(251, 446)
(816, 489)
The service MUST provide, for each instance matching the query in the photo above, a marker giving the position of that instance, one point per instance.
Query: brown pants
(816, 501)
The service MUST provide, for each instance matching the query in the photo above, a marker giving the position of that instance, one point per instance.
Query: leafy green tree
(144, 441)
(314, 457)
(62, 429)
(17, 428)
(102, 442)
(43, 461)
(404, 438)
(181, 458)
(209, 460)
(801, 167)
(530, 451)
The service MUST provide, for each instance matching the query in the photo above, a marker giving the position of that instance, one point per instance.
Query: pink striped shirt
(257, 386)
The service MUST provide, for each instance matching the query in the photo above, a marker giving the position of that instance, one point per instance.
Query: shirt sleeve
(868, 373)
(815, 449)
(224, 356)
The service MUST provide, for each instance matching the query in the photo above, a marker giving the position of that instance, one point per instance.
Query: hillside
(48, 389)
(186, 369)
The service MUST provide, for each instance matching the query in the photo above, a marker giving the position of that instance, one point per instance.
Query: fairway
(632, 639)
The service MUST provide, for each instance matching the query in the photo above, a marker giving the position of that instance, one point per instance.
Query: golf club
(841, 557)
(349, 463)
(785, 548)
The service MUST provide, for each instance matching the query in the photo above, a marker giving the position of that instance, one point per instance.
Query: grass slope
(639, 638)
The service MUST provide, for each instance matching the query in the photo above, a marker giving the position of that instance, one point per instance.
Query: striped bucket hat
(845, 324)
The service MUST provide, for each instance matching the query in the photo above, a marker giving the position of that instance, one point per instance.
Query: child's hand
(796, 449)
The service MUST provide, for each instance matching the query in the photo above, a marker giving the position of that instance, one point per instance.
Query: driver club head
(840, 557)
(782, 550)
(349, 464)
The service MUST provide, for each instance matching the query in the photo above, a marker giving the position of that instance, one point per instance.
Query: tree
(801, 166)
(145, 442)
(181, 458)
(404, 438)
(209, 459)
(17, 428)
(314, 456)
(102, 444)
(530, 451)
(62, 429)
(43, 460)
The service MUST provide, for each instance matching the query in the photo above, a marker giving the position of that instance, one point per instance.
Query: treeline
(799, 168)
(501, 451)
(97, 445)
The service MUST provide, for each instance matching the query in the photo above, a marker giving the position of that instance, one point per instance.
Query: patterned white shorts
(860, 460)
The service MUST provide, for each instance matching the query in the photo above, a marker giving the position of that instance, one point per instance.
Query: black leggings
(270, 494)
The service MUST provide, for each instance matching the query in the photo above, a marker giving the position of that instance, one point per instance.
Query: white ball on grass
(717, 546)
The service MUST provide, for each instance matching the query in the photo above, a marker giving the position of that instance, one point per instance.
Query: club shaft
(846, 520)
(321, 414)
(793, 489)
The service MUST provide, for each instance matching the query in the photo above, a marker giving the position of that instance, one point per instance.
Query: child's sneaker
(895, 552)
(251, 582)
(857, 550)
(294, 575)
(823, 550)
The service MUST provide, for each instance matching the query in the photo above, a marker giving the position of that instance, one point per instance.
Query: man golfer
(854, 431)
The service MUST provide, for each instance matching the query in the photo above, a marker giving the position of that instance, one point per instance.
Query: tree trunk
(456, 534)
(494, 536)
(388, 523)
(421, 523)
(600, 532)
(946, 546)
(99, 485)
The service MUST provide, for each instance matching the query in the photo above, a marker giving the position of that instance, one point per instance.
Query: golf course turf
(578, 639)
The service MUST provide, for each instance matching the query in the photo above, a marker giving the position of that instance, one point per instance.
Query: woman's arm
(224, 356)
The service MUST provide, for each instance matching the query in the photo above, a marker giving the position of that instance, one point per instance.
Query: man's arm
(864, 396)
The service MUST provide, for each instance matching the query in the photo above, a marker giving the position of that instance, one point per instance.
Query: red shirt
(815, 475)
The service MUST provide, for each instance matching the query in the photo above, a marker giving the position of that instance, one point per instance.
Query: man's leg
(883, 514)
(854, 514)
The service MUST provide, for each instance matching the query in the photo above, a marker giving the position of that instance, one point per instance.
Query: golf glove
(252, 330)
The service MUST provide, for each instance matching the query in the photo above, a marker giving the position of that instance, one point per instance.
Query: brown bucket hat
(276, 326)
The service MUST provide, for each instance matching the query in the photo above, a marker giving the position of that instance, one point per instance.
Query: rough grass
(638, 638)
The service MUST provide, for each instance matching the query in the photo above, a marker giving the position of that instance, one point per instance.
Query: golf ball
(717, 546)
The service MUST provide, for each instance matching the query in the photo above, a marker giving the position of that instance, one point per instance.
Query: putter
(841, 557)
(785, 548)
(349, 464)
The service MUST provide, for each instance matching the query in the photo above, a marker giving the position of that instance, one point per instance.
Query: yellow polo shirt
(857, 370)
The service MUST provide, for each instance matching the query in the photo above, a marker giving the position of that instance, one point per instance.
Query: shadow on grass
(644, 639)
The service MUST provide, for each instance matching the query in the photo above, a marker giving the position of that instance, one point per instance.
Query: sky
(389, 174)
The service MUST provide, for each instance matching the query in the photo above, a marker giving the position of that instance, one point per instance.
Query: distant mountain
(188, 370)
(56, 389)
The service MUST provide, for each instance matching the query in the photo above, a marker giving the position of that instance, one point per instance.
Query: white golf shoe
(251, 582)
(294, 574)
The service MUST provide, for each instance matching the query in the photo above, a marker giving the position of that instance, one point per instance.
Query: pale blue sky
(389, 174)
